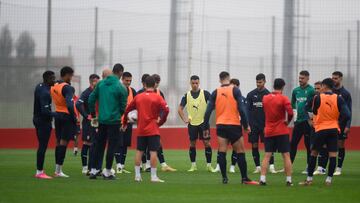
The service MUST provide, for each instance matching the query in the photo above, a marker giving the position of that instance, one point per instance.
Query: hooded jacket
(111, 97)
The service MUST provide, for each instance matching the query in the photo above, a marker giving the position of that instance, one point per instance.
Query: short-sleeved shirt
(276, 106)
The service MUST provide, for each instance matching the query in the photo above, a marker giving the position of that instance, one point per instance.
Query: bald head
(106, 72)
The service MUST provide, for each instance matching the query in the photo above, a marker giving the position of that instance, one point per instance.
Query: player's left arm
(68, 93)
(164, 109)
(241, 107)
(122, 99)
(181, 107)
(162, 95)
(293, 100)
(344, 110)
(80, 104)
(349, 105)
(249, 107)
(207, 95)
(134, 92)
(92, 100)
(209, 108)
(288, 109)
(130, 107)
(45, 105)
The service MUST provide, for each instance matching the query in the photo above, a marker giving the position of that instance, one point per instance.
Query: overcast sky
(145, 24)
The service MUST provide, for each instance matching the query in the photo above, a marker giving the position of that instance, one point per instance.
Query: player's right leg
(288, 168)
(153, 146)
(208, 149)
(147, 163)
(322, 161)
(254, 140)
(306, 131)
(113, 135)
(221, 159)
(318, 142)
(256, 156)
(86, 139)
(60, 159)
(341, 153)
(164, 166)
(138, 160)
(43, 132)
(99, 148)
(192, 155)
(84, 156)
(76, 140)
(332, 145)
(239, 147)
(208, 155)
(264, 168)
(311, 168)
(192, 132)
(67, 130)
(295, 139)
(141, 147)
(233, 161)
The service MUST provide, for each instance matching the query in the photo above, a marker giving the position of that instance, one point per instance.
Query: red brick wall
(171, 138)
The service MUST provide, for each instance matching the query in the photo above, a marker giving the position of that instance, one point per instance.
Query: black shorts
(65, 127)
(256, 135)
(230, 132)
(342, 135)
(88, 132)
(279, 143)
(152, 143)
(328, 137)
(126, 136)
(196, 132)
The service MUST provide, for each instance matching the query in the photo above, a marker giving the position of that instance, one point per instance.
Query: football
(132, 116)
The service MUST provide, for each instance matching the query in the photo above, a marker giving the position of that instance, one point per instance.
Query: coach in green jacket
(301, 126)
(112, 98)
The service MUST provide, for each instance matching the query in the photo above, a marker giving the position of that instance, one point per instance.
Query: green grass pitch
(17, 183)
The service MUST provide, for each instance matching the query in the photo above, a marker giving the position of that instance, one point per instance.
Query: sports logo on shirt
(223, 94)
(196, 107)
(258, 104)
(327, 103)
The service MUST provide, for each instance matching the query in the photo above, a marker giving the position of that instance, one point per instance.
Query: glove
(295, 115)
(94, 122)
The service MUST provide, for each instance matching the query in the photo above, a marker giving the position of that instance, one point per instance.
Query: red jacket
(148, 105)
(276, 106)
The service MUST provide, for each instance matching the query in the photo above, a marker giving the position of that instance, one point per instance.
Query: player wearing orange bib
(230, 117)
(327, 108)
(65, 124)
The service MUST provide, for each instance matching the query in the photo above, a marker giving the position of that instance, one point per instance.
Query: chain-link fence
(186, 37)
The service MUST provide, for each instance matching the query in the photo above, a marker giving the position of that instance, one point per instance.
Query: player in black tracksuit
(88, 132)
(42, 120)
(339, 89)
(257, 120)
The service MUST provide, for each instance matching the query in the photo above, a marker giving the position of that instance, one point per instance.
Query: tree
(25, 46)
(6, 43)
(100, 56)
